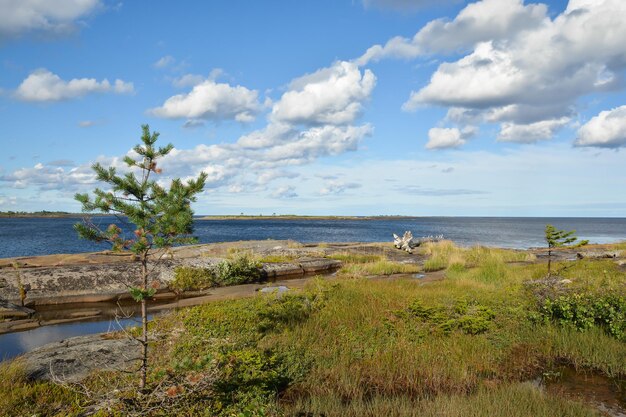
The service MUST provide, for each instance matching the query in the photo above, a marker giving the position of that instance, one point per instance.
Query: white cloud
(7, 200)
(272, 174)
(164, 61)
(338, 187)
(531, 79)
(192, 124)
(445, 138)
(264, 155)
(271, 135)
(332, 95)
(58, 16)
(317, 142)
(212, 101)
(607, 129)
(532, 132)
(478, 22)
(86, 123)
(191, 80)
(285, 191)
(50, 177)
(43, 85)
(188, 80)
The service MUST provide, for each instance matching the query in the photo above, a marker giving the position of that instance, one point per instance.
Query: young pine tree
(161, 217)
(560, 239)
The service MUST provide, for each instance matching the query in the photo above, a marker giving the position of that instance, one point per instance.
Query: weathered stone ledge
(105, 277)
(73, 359)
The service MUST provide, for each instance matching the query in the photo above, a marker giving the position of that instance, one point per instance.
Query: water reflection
(14, 344)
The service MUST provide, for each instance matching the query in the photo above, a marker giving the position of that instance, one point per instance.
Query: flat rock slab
(10, 310)
(73, 359)
(312, 265)
(281, 269)
(278, 290)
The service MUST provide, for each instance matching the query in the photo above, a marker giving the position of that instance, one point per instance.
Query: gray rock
(312, 265)
(10, 310)
(73, 359)
(278, 290)
(280, 269)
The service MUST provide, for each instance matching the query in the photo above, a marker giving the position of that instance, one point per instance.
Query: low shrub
(584, 311)
(242, 269)
(466, 316)
(192, 279)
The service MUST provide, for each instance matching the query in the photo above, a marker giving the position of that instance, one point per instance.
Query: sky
(322, 107)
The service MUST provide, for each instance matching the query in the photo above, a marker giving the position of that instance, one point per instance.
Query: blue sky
(413, 107)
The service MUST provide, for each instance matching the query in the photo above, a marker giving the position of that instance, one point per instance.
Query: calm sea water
(14, 344)
(43, 236)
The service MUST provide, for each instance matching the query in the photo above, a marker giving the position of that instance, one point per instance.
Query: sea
(21, 236)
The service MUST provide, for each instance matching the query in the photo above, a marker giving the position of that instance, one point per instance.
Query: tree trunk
(549, 263)
(144, 323)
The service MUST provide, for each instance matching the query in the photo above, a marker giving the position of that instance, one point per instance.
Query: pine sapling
(161, 217)
(560, 239)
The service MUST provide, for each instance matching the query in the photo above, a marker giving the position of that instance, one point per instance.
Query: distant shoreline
(296, 217)
(47, 215)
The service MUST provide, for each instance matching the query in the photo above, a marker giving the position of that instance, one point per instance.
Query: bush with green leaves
(187, 278)
(243, 269)
(584, 311)
(467, 316)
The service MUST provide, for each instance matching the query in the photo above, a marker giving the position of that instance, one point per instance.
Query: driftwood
(407, 242)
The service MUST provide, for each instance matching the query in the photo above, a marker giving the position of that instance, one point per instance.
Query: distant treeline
(42, 213)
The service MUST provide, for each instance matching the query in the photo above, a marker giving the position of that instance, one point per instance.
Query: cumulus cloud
(272, 174)
(332, 95)
(43, 85)
(445, 138)
(338, 187)
(212, 101)
(607, 129)
(59, 16)
(478, 22)
(49, 177)
(530, 79)
(164, 61)
(532, 132)
(261, 156)
(285, 191)
(318, 142)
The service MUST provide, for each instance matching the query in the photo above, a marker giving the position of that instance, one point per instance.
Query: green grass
(463, 346)
(356, 258)
(268, 259)
(445, 254)
(360, 265)
(18, 397)
(514, 400)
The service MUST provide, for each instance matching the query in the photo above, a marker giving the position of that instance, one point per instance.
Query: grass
(511, 400)
(463, 346)
(445, 254)
(18, 397)
(358, 265)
